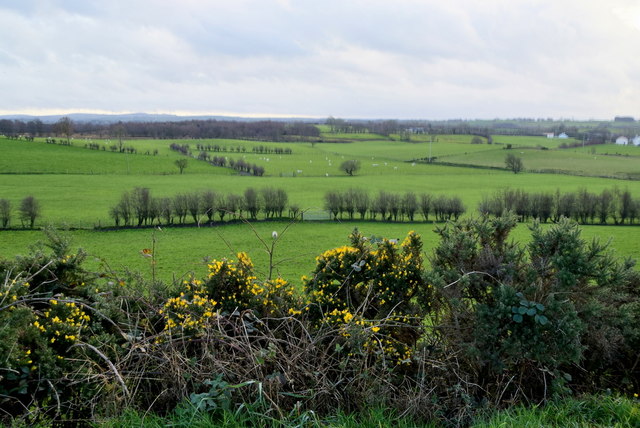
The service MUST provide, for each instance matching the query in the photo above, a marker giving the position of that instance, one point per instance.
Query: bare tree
(181, 164)
(350, 166)
(29, 211)
(180, 207)
(332, 203)
(209, 202)
(513, 163)
(361, 202)
(425, 205)
(252, 202)
(5, 212)
(64, 126)
(194, 206)
(409, 205)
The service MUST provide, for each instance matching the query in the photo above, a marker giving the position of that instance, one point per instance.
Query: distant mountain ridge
(101, 118)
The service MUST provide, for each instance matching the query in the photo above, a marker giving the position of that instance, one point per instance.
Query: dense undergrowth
(488, 325)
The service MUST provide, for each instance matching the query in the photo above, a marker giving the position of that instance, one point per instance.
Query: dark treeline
(391, 206)
(139, 208)
(256, 130)
(582, 206)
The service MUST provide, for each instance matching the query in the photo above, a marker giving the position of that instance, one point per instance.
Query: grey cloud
(353, 58)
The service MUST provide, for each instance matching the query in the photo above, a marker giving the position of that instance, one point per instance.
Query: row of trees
(242, 149)
(239, 165)
(582, 206)
(257, 130)
(28, 211)
(391, 206)
(51, 140)
(138, 207)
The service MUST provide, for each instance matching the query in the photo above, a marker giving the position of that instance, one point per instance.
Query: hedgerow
(489, 323)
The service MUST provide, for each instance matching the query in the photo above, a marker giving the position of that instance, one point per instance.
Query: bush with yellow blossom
(369, 286)
(47, 326)
(230, 286)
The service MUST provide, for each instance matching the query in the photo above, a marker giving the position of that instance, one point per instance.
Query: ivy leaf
(517, 318)
(531, 312)
(522, 310)
(540, 306)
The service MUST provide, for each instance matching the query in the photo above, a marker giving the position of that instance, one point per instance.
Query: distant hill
(142, 117)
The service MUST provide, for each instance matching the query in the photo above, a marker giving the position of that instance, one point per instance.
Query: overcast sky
(346, 58)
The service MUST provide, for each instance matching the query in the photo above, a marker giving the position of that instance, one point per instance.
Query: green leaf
(531, 312)
(542, 319)
(540, 306)
(514, 309)
(517, 318)
(522, 310)
(524, 303)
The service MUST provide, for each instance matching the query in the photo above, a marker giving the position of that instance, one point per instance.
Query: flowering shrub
(371, 286)
(234, 286)
(45, 311)
(506, 322)
(230, 286)
(191, 310)
(229, 282)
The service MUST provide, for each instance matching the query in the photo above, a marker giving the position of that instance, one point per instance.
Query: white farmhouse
(550, 134)
(622, 140)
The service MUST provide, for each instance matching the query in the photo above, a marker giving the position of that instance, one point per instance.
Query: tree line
(28, 211)
(256, 130)
(392, 206)
(257, 149)
(239, 165)
(139, 208)
(583, 206)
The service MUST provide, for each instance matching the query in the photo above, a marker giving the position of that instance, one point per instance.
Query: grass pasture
(180, 251)
(38, 157)
(77, 186)
(575, 161)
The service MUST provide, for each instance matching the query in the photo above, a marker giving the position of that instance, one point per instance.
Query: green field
(181, 251)
(77, 187)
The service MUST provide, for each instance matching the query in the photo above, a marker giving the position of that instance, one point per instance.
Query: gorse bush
(230, 286)
(527, 313)
(52, 343)
(370, 285)
(489, 324)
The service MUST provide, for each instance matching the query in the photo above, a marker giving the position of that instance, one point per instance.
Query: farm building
(550, 135)
(622, 140)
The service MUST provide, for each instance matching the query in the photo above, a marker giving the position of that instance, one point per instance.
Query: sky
(399, 59)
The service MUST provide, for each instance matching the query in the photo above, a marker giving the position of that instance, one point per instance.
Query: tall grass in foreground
(586, 411)
(187, 418)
